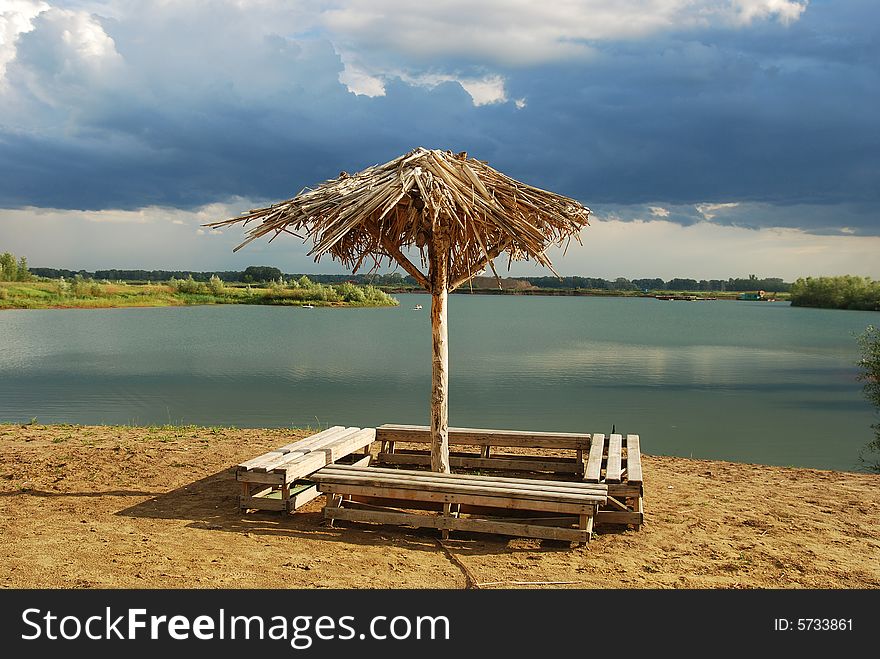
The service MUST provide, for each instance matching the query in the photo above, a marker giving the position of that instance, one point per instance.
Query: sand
(121, 507)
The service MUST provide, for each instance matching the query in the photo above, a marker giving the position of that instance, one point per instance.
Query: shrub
(351, 293)
(81, 287)
(216, 285)
(188, 285)
(869, 345)
(846, 292)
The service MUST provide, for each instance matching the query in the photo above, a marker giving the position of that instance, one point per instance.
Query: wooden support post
(447, 512)
(586, 524)
(438, 257)
(333, 501)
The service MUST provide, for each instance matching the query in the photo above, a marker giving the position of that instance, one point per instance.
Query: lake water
(743, 381)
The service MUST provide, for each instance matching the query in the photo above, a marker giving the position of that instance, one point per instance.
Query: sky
(710, 138)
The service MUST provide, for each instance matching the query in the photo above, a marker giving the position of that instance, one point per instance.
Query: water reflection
(752, 382)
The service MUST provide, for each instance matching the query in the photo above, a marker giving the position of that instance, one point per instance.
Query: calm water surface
(749, 382)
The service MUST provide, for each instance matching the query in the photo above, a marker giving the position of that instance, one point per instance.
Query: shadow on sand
(212, 503)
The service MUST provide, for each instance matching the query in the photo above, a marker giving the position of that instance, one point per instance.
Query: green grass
(47, 294)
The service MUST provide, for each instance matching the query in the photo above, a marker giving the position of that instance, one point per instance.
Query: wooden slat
(612, 468)
(265, 458)
(470, 499)
(305, 465)
(556, 465)
(271, 456)
(624, 490)
(302, 497)
(311, 440)
(594, 461)
(306, 446)
(485, 437)
(505, 493)
(527, 484)
(459, 524)
(259, 477)
(633, 459)
(618, 517)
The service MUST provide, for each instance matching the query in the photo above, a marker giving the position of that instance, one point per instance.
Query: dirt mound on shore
(121, 507)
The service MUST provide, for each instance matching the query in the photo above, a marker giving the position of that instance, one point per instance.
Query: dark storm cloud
(780, 119)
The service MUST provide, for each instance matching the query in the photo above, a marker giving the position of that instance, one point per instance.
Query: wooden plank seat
(559, 510)
(617, 462)
(488, 442)
(277, 479)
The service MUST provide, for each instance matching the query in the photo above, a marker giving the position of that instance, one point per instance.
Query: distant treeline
(752, 283)
(262, 274)
(251, 274)
(847, 292)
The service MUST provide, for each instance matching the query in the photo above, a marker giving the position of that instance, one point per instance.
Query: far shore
(85, 294)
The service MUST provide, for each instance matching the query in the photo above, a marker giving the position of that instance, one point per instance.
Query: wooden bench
(276, 480)
(617, 462)
(565, 510)
(595, 458)
(488, 442)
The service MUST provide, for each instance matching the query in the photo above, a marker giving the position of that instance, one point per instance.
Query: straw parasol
(457, 213)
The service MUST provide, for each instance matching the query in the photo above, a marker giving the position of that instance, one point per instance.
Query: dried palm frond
(382, 210)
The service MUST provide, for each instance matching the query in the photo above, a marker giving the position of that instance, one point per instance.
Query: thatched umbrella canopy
(458, 213)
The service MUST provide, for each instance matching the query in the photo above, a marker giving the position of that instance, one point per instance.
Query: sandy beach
(130, 507)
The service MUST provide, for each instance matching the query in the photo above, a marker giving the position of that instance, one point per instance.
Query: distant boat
(417, 307)
(308, 306)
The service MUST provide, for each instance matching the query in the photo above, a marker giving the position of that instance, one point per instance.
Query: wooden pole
(438, 259)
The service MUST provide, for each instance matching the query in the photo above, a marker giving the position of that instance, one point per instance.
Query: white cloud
(484, 90)
(65, 59)
(518, 32)
(258, 47)
(710, 211)
(786, 11)
(16, 18)
(359, 82)
(659, 248)
(148, 238)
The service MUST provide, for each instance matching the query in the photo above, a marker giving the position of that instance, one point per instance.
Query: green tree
(8, 268)
(351, 293)
(23, 274)
(260, 273)
(869, 345)
(216, 285)
(846, 292)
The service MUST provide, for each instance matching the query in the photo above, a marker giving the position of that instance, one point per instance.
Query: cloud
(163, 238)
(705, 250)
(522, 32)
(709, 211)
(629, 106)
(16, 18)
